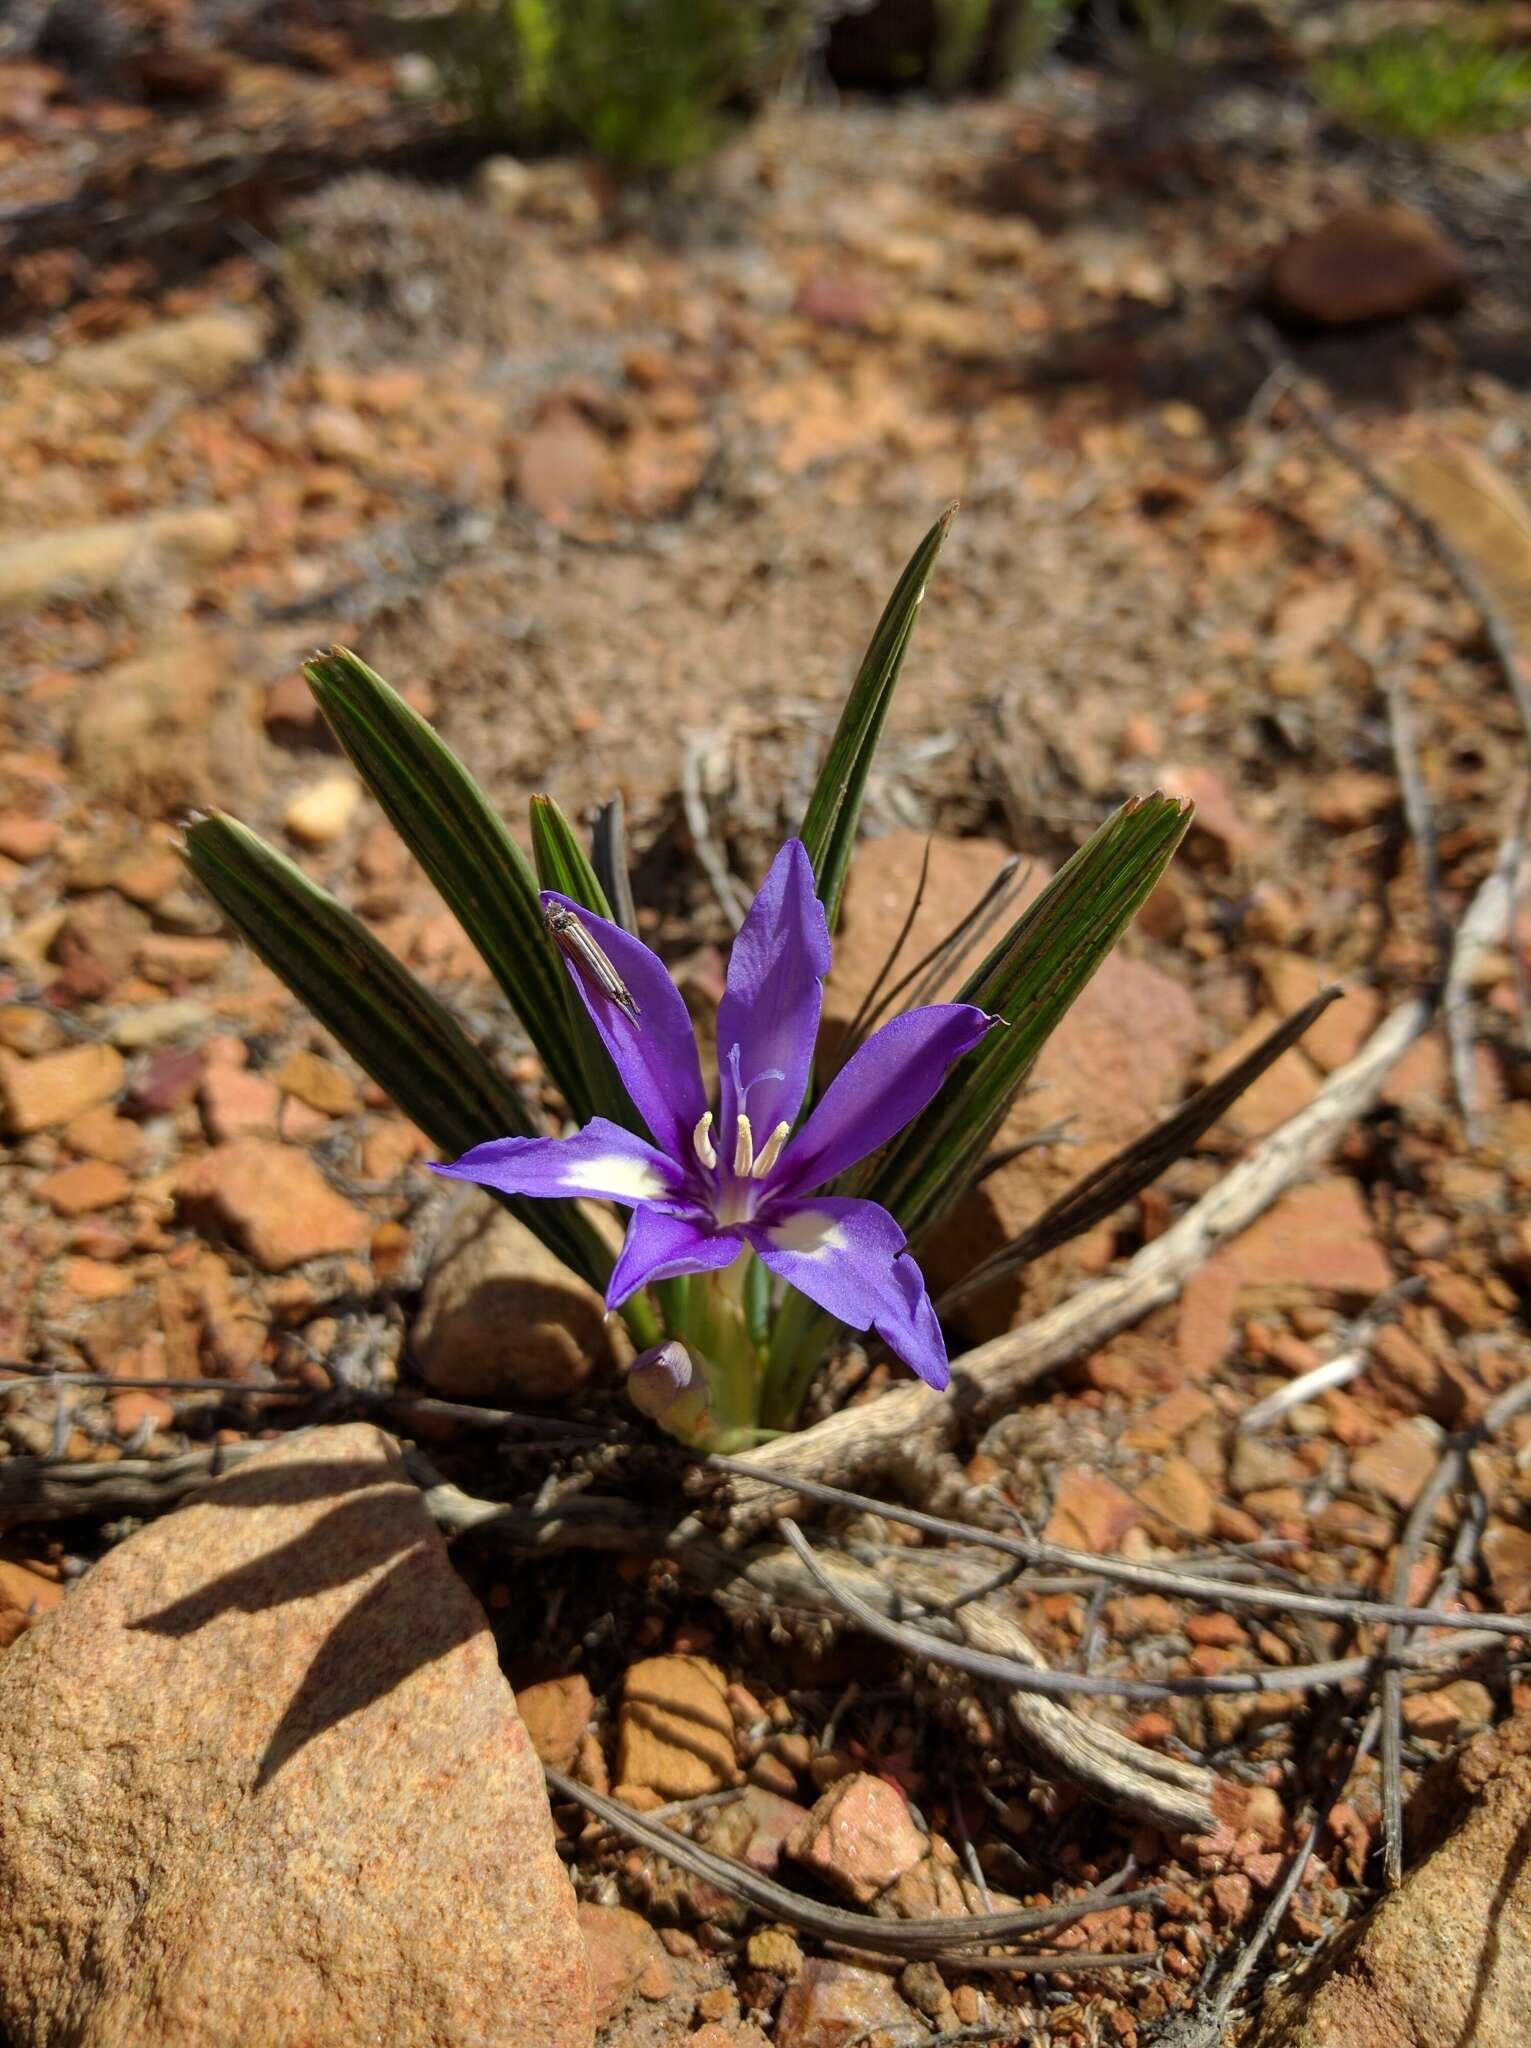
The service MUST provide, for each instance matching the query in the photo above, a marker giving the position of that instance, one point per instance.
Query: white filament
(702, 1143)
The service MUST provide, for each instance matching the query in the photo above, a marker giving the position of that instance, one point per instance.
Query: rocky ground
(616, 500)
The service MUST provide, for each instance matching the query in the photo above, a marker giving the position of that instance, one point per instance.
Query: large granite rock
(1446, 1961)
(261, 1780)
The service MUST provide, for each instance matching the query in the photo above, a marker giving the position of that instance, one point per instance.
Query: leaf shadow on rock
(398, 1625)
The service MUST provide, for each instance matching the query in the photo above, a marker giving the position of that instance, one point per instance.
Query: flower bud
(661, 1377)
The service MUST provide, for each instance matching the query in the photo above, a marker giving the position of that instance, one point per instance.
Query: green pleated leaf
(445, 820)
(834, 810)
(562, 862)
(392, 1026)
(1029, 981)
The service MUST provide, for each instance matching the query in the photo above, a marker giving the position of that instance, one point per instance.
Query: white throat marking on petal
(771, 1151)
(628, 1180)
(809, 1232)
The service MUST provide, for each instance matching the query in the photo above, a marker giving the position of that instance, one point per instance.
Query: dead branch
(948, 1938)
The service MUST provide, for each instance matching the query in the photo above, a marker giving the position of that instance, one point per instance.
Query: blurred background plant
(1430, 82)
(652, 85)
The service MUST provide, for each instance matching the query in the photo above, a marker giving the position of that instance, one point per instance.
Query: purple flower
(712, 1186)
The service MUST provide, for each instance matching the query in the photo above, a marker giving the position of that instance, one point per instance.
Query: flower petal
(849, 1257)
(912, 1332)
(661, 1245)
(770, 1006)
(602, 1160)
(656, 1056)
(882, 1086)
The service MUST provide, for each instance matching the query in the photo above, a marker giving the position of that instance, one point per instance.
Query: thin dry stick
(1006, 1671)
(694, 804)
(1457, 1018)
(1182, 1581)
(1205, 2027)
(948, 1938)
(1448, 1474)
(1485, 923)
(907, 1428)
(891, 958)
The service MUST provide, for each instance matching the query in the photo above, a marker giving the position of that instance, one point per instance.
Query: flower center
(738, 1179)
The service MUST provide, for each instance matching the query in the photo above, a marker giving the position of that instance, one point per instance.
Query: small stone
(1369, 263)
(774, 1949)
(675, 1735)
(28, 1030)
(1441, 1715)
(96, 1280)
(337, 434)
(830, 2005)
(100, 1133)
(501, 1317)
(1507, 1553)
(621, 1946)
(318, 1083)
(151, 1024)
(38, 1092)
(319, 815)
(504, 183)
(28, 1591)
(859, 1837)
(168, 1082)
(1090, 1511)
(171, 958)
(1256, 1465)
(200, 352)
(77, 1190)
(557, 1712)
(1178, 1493)
(272, 1201)
(234, 1103)
(28, 839)
(1168, 1420)
(146, 877)
(1400, 1463)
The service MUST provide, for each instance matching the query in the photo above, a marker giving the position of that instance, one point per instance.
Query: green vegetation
(1428, 84)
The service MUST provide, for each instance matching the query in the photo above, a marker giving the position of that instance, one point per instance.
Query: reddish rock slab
(1319, 1238)
(1368, 263)
(272, 1201)
(261, 1780)
(1444, 1962)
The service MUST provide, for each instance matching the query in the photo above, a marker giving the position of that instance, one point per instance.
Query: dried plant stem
(949, 1938)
